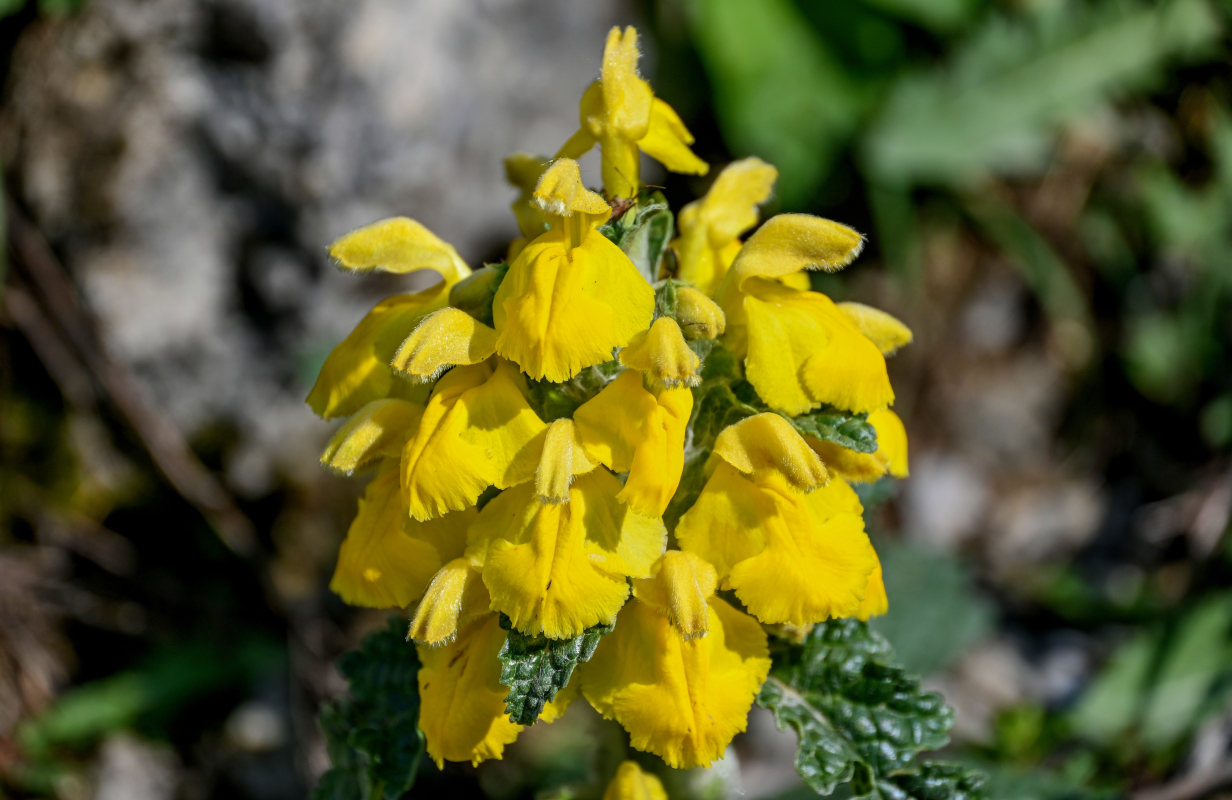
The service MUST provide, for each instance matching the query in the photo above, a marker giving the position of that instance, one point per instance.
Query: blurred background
(1047, 189)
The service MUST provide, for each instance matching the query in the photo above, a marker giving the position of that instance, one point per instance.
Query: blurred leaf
(59, 7)
(935, 612)
(150, 693)
(943, 16)
(373, 733)
(535, 668)
(859, 717)
(1163, 681)
(1032, 784)
(779, 93)
(8, 8)
(996, 107)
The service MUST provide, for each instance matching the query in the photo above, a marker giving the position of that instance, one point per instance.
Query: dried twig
(64, 335)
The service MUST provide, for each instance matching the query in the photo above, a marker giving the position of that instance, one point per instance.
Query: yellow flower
(886, 332)
(875, 602)
(387, 559)
(698, 315)
(476, 431)
(633, 783)
(443, 339)
(792, 554)
(630, 429)
(800, 350)
(622, 115)
(377, 431)
(571, 297)
(662, 354)
(682, 699)
(462, 701)
(559, 568)
(357, 371)
(766, 447)
(710, 228)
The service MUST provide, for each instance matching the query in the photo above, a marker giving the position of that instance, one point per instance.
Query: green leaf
(997, 105)
(858, 716)
(935, 613)
(1164, 681)
(535, 668)
(934, 781)
(373, 734)
(849, 431)
(643, 233)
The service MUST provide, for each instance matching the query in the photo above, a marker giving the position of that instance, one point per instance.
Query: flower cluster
(615, 431)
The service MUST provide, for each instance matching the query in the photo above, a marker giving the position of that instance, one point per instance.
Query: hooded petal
(788, 243)
(680, 587)
(443, 339)
(667, 141)
(455, 597)
(477, 430)
(399, 245)
(767, 445)
(377, 431)
(681, 699)
(358, 370)
(559, 311)
(886, 332)
(662, 354)
(563, 458)
(462, 701)
(710, 228)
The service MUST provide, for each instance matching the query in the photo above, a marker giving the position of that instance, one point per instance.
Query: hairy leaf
(644, 232)
(934, 781)
(859, 717)
(373, 734)
(535, 668)
(850, 431)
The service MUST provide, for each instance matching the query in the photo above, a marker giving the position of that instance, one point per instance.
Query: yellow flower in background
(631, 782)
(621, 114)
(571, 297)
(681, 699)
(523, 171)
(792, 548)
(710, 228)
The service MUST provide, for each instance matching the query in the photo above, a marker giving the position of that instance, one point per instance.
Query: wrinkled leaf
(849, 431)
(535, 668)
(859, 717)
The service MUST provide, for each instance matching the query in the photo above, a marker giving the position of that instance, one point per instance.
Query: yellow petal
(381, 565)
(667, 141)
(443, 339)
(662, 354)
(848, 464)
(633, 783)
(563, 457)
(698, 315)
(682, 584)
(681, 699)
(558, 312)
(357, 371)
(632, 430)
(891, 440)
(767, 444)
(627, 98)
(559, 569)
(561, 193)
(462, 701)
(788, 243)
(377, 431)
(875, 602)
(802, 352)
(886, 332)
(582, 140)
(477, 430)
(729, 209)
(791, 557)
(455, 597)
(399, 245)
